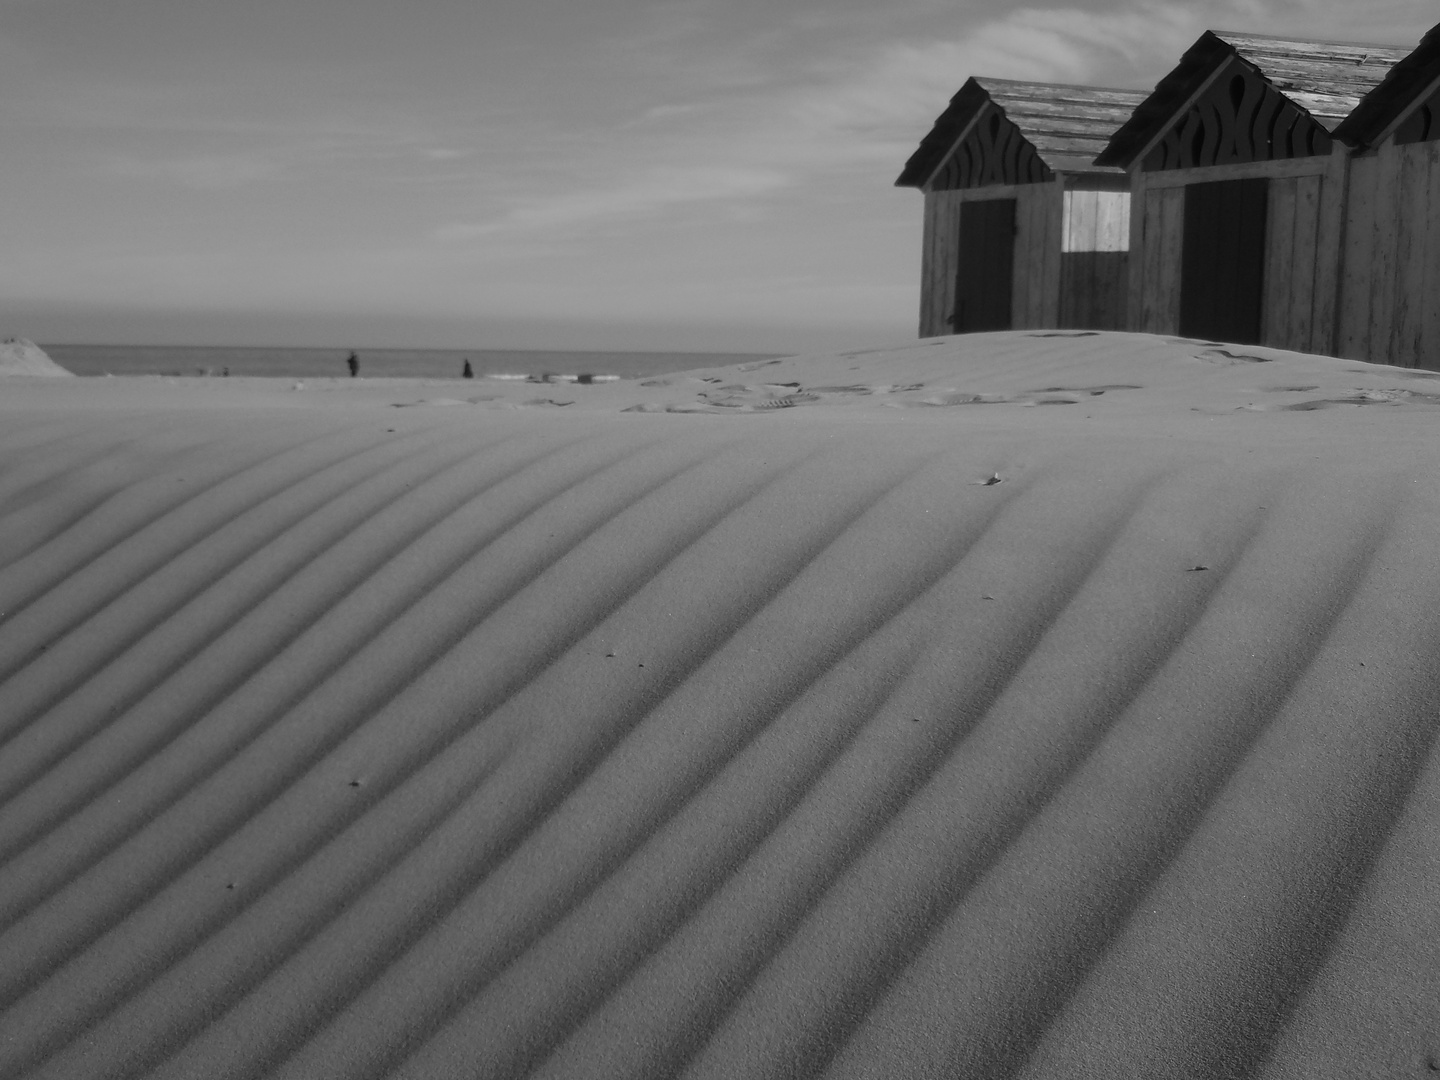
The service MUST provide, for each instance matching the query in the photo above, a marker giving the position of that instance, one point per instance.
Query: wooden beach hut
(1022, 228)
(1238, 188)
(1390, 287)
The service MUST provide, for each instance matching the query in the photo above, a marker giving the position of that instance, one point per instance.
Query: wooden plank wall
(1036, 282)
(1428, 354)
(1353, 337)
(1097, 221)
(927, 267)
(1094, 260)
(1038, 216)
(1288, 310)
(1154, 306)
(942, 244)
(1093, 287)
(1390, 294)
(1302, 254)
(1329, 233)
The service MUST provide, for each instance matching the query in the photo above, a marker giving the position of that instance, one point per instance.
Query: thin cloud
(645, 195)
(906, 82)
(203, 172)
(866, 113)
(860, 118)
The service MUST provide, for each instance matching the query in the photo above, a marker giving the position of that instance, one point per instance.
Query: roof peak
(1324, 80)
(1066, 124)
(1230, 36)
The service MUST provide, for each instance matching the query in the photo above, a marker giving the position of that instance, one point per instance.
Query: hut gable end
(1236, 97)
(1423, 124)
(994, 152)
(998, 131)
(1407, 102)
(1239, 117)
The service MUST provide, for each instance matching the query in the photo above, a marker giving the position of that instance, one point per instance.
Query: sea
(378, 363)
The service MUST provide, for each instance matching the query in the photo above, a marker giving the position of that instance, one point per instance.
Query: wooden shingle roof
(1411, 77)
(1067, 125)
(1326, 80)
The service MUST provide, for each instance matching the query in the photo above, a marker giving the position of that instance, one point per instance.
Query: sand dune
(21, 357)
(845, 715)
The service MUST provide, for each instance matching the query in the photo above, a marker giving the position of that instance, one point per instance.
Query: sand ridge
(1008, 705)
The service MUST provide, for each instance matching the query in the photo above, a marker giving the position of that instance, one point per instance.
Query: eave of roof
(1067, 125)
(1406, 81)
(1325, 79)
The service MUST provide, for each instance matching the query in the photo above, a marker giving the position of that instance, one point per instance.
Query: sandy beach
(1033, 704)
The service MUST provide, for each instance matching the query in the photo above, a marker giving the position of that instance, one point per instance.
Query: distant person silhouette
(467, 372)
(353, 363)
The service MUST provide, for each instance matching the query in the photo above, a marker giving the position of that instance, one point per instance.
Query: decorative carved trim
(994, 152)
(1423, 124)
(1240, 118)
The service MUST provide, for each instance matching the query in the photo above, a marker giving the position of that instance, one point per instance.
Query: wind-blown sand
(1037, 705)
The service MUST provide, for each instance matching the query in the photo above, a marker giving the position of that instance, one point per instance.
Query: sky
(588, 174)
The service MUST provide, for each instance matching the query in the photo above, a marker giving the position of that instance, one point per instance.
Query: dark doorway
(987, 263)
(1222, 268)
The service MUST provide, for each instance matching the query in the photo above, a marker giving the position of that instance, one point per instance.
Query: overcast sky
(666, 174)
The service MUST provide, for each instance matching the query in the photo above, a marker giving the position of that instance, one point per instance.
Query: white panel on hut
(1096, 221)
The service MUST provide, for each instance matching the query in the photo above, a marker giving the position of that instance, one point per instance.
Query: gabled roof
(1406, 81)
(1326, 80)
(1067, 125)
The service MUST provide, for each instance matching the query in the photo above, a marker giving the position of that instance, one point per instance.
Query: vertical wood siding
(1093, 287)
(1094, 260)
(1305, 259)
(1306, 215)
(1385, 229)
(1155, 299)
(1328, 254)
(1406, 337)
(1037, 256)
(1428, 353)
(1029, 225)
(1390, 296)
(1291, 262)
(1096, 221)
(947, 224)
(1036, 273)
(942, 242)
(1354, 336)
(927, 267)
(1280, 267)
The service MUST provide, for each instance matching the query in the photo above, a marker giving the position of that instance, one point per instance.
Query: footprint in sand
(1093, 391)
(1225, 355)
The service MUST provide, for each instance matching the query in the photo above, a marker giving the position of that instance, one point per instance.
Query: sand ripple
(342, 742)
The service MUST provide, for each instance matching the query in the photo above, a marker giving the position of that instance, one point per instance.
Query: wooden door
(986, 266)
(1222, 268)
